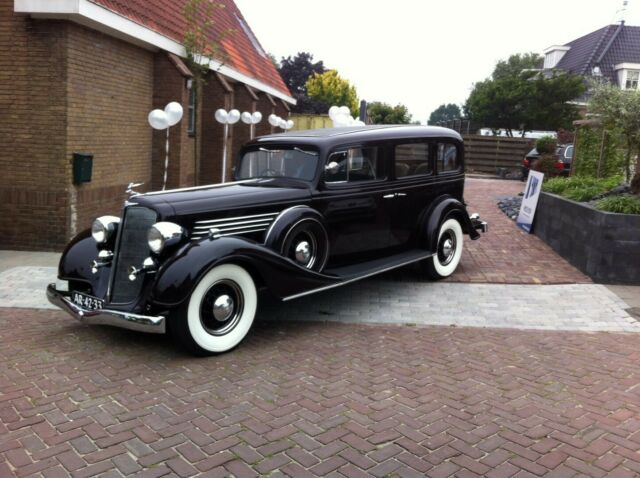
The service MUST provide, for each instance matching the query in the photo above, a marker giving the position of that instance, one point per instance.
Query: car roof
(333, 136)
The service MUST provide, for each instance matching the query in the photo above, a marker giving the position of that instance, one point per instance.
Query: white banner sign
(530, 200)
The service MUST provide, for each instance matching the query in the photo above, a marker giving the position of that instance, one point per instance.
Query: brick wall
(215, 96)
(170, 85)
(33, 186)
(109, 91)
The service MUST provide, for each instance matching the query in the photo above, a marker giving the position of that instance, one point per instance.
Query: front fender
(177, 278)
(441, 209)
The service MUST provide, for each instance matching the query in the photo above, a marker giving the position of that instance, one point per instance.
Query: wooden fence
(495, 154)
(302, 121)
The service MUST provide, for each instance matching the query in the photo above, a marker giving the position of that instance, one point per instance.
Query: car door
(423, 170)
(356, 200)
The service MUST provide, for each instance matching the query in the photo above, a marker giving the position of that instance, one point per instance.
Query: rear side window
(447, 159)
(353, 165)
(412, 159)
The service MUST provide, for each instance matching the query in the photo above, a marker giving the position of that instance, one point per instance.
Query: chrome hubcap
(447, 247)
(303, 252)
(223, 308)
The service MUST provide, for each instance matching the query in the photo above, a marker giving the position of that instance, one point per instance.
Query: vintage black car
(308, 211)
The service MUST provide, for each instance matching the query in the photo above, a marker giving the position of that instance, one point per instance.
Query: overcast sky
(422, 53)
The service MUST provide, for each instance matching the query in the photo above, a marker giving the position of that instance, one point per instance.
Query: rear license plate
(86, 301)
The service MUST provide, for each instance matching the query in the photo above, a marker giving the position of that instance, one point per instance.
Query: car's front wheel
(219, 313)
(448, 251)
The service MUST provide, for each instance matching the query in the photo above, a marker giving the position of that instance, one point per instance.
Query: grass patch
(580, 188)
(624, 204)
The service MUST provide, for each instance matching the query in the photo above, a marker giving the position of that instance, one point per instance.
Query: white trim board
(99, 18)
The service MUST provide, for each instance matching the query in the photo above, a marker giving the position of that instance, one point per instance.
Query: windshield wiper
(310, 153)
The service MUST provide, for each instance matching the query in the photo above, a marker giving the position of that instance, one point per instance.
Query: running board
(348, 274)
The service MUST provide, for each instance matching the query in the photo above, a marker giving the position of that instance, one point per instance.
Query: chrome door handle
(401, 195)
(389, 196)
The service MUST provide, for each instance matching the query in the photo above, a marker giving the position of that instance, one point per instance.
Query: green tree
(383, 113)
(518, 97)
(331, 89)
(444, 113)
(620, 109)
(296, 72)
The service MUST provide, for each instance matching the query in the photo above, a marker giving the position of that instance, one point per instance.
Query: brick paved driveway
(310, 399)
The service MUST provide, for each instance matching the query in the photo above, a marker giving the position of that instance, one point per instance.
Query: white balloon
(158, 119)
(333, 112)
(344, 110)
(274, 120)
(221, 115)
(234, 116)
(174, 112)
(256, 117)
(358, 123)
(282, 124)
(246, 117)
(289, 124)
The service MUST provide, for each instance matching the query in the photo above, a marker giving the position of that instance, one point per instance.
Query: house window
(632, 80)
(191, 129)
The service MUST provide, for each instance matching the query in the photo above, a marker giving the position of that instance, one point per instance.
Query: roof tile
(241, 52)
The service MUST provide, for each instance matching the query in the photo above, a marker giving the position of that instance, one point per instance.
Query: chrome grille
(232, 226)
(131, 250)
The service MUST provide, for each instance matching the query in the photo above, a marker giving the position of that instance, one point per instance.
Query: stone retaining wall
(603, 245)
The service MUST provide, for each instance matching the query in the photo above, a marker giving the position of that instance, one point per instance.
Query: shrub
(579, 188)
(588, 149)
(546, 145)
(624, 204)
(546, 164)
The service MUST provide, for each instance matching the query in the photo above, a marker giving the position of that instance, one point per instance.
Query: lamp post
(226, 118)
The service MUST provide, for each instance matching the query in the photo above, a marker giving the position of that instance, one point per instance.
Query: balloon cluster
(172, 114)
(227, 117)
(341, 117)
(278, 122)
(251, 118)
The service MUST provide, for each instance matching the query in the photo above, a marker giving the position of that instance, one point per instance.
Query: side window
(412, 159)
(447, 157)
(353, 165)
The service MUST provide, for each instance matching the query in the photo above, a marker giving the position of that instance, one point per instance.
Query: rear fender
(443, 208)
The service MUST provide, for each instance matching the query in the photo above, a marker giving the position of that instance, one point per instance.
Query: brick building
(82, 76)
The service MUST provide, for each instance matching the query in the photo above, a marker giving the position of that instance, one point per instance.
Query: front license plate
(86, 301)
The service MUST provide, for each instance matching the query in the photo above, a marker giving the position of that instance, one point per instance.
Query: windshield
(293, 162)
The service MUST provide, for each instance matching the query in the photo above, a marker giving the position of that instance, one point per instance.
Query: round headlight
(163, 234)
(103, 228)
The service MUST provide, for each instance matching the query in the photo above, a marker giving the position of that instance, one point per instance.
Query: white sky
(422, 53)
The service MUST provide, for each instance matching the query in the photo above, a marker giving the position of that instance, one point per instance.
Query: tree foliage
(384, 113)
(620, 109)
(331, 89)
(295, 72)
(444, 113)
(517, 97)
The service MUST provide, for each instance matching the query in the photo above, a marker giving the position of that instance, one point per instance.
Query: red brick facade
(65, 88)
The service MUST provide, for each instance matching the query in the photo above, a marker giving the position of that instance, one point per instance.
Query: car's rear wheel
(219, 313)
(448, 251)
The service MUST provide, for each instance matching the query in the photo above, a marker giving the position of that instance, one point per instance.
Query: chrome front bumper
(124, 320)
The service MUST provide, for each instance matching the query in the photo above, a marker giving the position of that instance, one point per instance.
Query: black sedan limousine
(307, 211)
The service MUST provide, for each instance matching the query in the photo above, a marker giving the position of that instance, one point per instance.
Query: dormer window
(628, 75)
(554, 54)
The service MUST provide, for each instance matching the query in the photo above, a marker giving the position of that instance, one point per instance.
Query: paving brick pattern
(311, 399)
(507, 254)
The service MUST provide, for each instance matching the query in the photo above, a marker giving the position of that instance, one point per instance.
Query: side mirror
(332, 167)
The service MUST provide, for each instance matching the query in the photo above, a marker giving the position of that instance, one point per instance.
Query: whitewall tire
(448, 251)
(220, 311)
